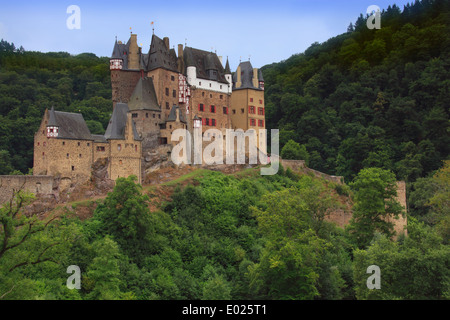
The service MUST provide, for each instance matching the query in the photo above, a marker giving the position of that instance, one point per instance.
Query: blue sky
(264, 31)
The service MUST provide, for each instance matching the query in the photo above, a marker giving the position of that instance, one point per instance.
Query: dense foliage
(243, 236)
(370, 98)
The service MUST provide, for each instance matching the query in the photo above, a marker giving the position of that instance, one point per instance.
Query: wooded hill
(370, 98)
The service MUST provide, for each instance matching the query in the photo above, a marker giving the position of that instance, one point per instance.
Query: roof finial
(153, 26)
(131, 32)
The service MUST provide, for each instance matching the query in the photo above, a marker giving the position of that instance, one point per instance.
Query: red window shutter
(203, 121)
(249, 109)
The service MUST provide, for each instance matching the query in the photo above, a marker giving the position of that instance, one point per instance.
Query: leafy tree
(294, 151)
(125, 216)
(375, 205)
(413, 269)
(104, 271)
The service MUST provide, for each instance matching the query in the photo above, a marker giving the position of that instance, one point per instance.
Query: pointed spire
(227, 67)
(52, 118)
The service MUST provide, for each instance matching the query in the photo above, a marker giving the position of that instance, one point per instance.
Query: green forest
(369, 105)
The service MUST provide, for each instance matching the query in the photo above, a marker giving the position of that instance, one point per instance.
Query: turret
(52, 126)
(116, 61)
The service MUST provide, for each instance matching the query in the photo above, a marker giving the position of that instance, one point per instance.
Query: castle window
(174, 93)
(146, 114)
(167, 91)
(203, 94)
(100, 149)
(207, 121)
(80, 155)
(134, 115)
(67, 156)
(234, 111)
(220, 88)
(213, 109)
(225, 110)
(73, 168)
(210, 85)
(201, 107)
(120, 162)
(221, 96)
(43, 153)
(251, 99)
(172, 78)
(154, 116)
(45, 144)
(252, 122)
(242, 110)
(119, 147)
(199, 83)
(79, 143)
(261, 111)
(260, 101)
(210, 95)
(135, 148)
(170, 126)
(88, 144)
(261, 123)
(213, 122)
(167, 106)
(159, 116)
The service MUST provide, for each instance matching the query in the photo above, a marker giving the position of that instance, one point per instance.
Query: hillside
(370, 97)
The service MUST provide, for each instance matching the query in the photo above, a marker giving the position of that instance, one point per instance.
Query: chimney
(166, 42)
(180, 59)
(220, 59)
(255, 78)
(238, 77)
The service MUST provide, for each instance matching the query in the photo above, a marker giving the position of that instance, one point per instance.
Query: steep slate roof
(120, 51)
(227, 68)
(118, 122)
(71, 125)
(173, 115)
(159, 56)
(144, 96)
(204, 61)
(246, 76)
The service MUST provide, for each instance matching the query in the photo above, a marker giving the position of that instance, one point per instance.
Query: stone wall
(123, 83)
(166, 87)
(209, 98)
(33, 184)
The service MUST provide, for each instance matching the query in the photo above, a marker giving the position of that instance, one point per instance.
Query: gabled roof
(246, 76)
(160, 56)
(144, 96)
(204, 61)
(118, 122)
(71, 125)
(173, 115)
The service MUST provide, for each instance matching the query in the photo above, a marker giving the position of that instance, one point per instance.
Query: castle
(153, 94)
